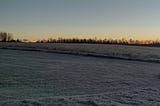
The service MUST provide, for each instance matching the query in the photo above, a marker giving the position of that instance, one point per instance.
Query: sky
(39, 19)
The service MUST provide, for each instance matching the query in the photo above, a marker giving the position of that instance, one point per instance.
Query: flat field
(140, 53)
(48, 78)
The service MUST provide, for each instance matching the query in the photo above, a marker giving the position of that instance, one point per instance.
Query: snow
(29, 78)
(137, 53)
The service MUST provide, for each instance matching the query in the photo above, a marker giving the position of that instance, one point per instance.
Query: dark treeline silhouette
(122, 41)
(7, 37)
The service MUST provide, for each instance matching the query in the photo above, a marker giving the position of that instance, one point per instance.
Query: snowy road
(37, 78)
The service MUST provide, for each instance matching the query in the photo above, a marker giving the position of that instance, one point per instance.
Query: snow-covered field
(150, 54)
(29, 78)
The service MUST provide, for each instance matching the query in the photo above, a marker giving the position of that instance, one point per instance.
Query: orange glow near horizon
(36, 37)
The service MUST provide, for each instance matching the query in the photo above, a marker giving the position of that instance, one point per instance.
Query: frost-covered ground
(150, 54)
(29, 78)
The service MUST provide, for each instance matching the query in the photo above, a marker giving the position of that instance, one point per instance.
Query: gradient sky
(37, 19)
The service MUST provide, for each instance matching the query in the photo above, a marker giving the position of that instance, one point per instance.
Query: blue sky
(35, 19)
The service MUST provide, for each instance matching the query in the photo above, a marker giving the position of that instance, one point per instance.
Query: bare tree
(9, 37)
(5, 37)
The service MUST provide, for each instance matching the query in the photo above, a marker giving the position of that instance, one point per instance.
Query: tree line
(122, 41)
(7, 37)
